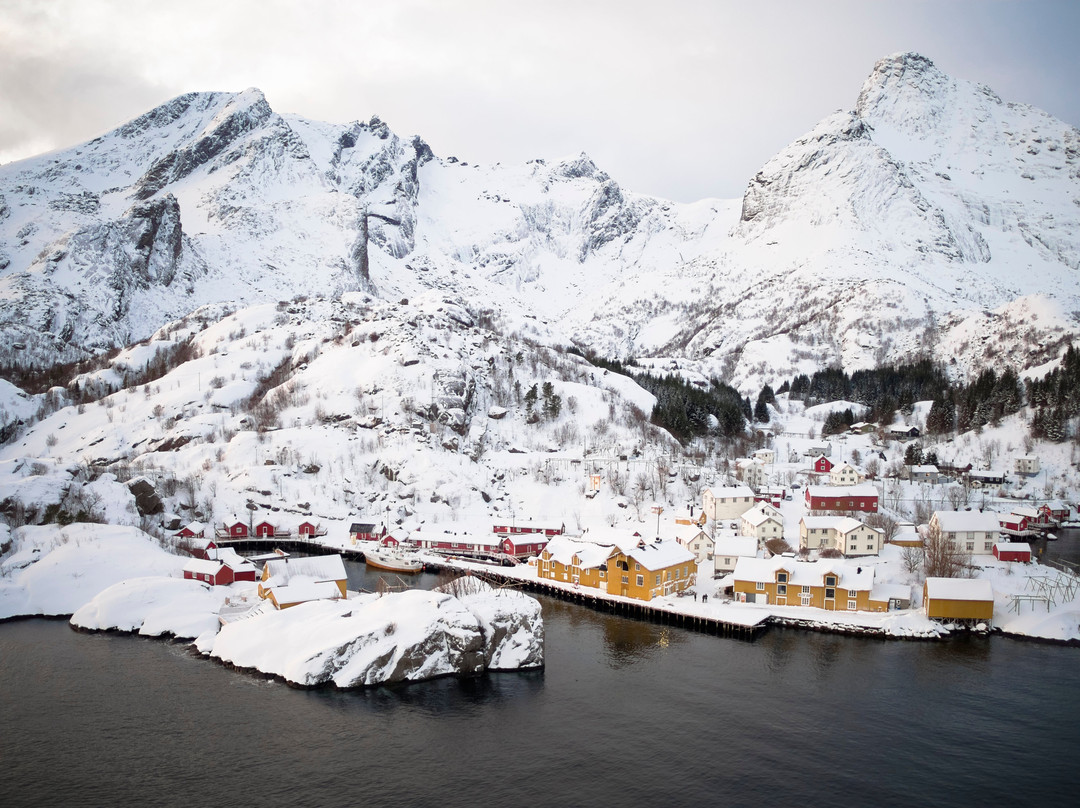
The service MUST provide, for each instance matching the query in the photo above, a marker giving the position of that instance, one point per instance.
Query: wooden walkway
(292, 544)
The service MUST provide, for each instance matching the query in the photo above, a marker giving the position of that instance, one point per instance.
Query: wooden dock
(293, 544)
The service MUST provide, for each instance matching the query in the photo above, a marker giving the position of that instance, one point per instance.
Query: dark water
(625, 714)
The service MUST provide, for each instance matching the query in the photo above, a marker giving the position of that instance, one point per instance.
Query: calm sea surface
(625, 714)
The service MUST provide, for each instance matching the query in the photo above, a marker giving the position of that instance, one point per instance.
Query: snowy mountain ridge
(931, 215)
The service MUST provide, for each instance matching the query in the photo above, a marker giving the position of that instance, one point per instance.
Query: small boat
(394, 559)
(1051, 537)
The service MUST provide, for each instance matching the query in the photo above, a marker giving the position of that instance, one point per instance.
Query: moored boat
(394, 559)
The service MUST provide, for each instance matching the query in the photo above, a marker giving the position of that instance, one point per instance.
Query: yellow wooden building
(647, 570)
(289, 581)
(831, 585)
(576, 562)
(958, 599)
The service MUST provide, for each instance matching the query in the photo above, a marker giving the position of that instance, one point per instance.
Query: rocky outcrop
(403, 637)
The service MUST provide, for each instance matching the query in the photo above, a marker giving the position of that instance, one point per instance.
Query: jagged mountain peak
(930, 196)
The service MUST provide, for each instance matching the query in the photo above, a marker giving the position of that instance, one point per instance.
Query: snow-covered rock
(153, 606)
(368, 640)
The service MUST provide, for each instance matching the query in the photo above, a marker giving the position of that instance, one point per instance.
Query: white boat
(393, 558)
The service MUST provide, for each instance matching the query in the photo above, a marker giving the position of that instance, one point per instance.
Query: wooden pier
(293, 544)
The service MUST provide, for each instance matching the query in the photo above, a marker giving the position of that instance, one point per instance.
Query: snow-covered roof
(731, 491)
(1030, 513)
(930, 469)
(682, 533)
(812, 573)
(282, 571)
(837, 491)
(563, 549)
(483, 539)
(959, 589)
(194, 527)
(761, 513)
(841, 524)
(301, 590)
(884, 592)
(201, 566)
(968, 521)
(656, 555)
(735, 546)
(1013, 547)
(232, 559)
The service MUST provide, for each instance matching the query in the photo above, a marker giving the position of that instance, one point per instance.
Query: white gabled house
(1027, 464)
(846, 474)
(752, 472)
(763, 522)
(844, 533)
(728, 549)
(974, 532)
(728, 502)
(693, 538)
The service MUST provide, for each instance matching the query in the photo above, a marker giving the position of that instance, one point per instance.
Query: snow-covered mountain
(933, 213)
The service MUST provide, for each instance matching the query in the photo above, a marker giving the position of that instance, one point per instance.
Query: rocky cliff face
(928, 204)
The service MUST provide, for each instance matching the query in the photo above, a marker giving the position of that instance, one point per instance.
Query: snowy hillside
(332, 410)
(932, 215)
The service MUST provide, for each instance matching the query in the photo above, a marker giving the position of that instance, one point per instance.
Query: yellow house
(831, 585)
(576, 562)
(958, 599)
(288, 581)
(648, 570)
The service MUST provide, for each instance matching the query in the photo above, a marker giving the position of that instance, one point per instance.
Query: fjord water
(626, 713)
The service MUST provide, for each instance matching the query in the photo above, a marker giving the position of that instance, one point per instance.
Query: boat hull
(393, 563)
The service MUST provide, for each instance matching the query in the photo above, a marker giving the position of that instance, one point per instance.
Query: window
(830, 593)
(781, 589)
(637, 566)
(830, 580)
(781, 577)
(603, 574)
(852, 605)
(676, 573)
(804, 599)
(626, 579)
(760, 586)
(988, 545)
(970, 545)
(806, 589)
(641, 580)
(658, 579)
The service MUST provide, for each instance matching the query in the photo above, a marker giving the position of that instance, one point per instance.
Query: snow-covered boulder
(371, 640)
(511, 622)
(154, 606)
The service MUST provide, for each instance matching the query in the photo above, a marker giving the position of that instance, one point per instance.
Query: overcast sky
(678, 98)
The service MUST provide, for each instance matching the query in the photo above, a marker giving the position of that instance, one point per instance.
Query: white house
(844, 533)
(1027, 464)
(693, 538)
(974, 532)
(728, 502)
(766, 456)
(751, 472)
(729, 548)
(763, 522)
(846, 474)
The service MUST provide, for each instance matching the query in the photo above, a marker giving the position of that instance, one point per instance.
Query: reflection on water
(627, 642)
(625, 713)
